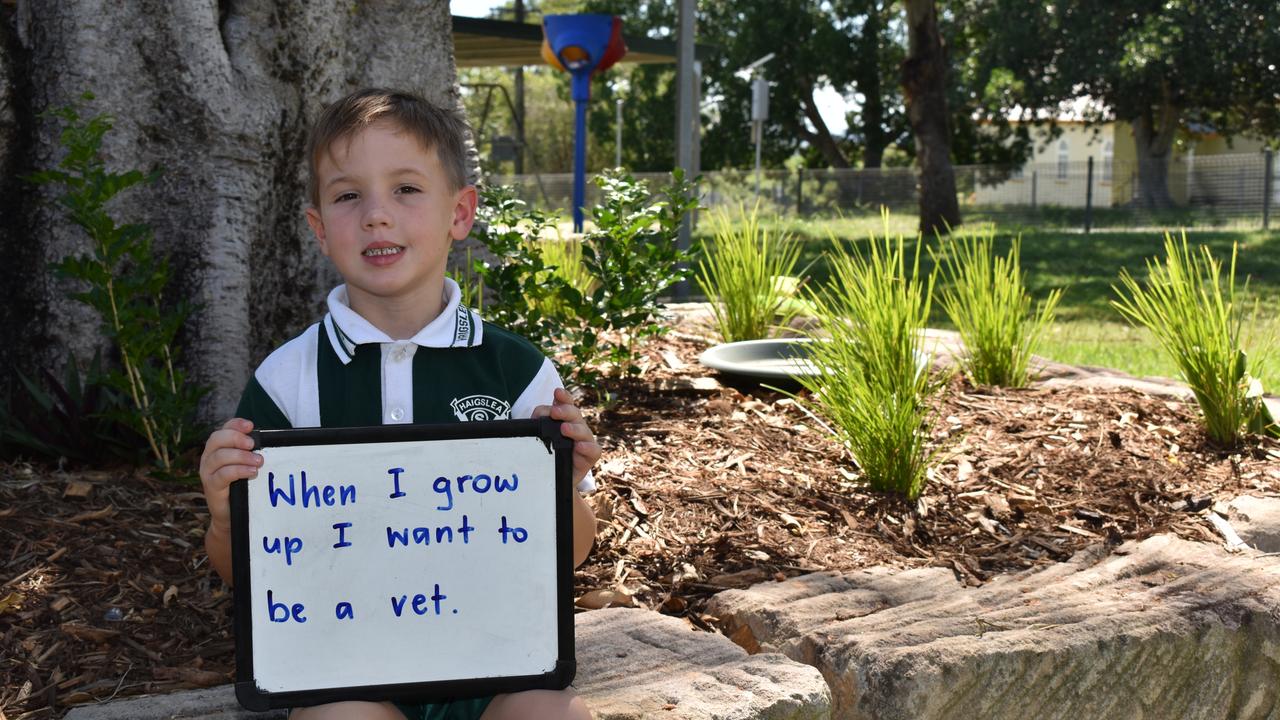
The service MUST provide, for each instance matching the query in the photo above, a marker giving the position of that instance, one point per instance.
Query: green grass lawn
(1087, 331)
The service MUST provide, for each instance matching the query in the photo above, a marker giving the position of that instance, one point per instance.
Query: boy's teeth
(382, 251)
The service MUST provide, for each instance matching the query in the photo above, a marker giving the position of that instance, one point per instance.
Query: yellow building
(1205, 169)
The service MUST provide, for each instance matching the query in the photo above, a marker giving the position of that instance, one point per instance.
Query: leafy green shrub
(564, 257)
(126, 280)
(536, 286)
(987, 301)
(743, 274)
(518, 288)
(634, 258)
(1201, 328)
(875, 385)
(72, 419)
(469, 282)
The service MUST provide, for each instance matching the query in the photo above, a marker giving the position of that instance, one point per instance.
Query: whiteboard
(404, 563)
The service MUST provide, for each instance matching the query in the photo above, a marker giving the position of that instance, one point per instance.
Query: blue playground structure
(581, 45)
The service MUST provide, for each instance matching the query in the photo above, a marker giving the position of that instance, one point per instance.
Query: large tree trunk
(218, 94)
(924, 84)
(821, 137)
(1153, 135)
(875, 138)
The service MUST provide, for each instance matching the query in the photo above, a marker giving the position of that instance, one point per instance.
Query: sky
(830, 104)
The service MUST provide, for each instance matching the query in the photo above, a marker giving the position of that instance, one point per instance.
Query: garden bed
(703, 487)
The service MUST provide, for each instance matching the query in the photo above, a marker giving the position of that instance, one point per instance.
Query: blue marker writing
(395, 478)
(342, 534)
(289, 546)
(285, 611)
(518, 534)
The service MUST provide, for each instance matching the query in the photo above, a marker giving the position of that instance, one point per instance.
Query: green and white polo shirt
(344, 372)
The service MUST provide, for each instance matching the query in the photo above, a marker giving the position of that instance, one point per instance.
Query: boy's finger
(541, 411)
(588, 450)
(567, 413)
(576, 431)
(228, 457)
(228, 437)
(228, 474)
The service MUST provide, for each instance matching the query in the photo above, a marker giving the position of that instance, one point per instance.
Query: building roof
(480, 42)
(1081, 109)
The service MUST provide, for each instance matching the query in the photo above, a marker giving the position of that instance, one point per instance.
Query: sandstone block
(1257, 521)
(632, 665)
(638, 665)
(1164, 628)
(217, 703)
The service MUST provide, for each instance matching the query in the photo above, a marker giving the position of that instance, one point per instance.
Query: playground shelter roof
(481, 42)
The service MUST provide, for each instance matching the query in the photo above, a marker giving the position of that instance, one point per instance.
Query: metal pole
(1268, 183)
(686, 110)
(579, 162)
(759, 132)
(799, 192)
(519, 87)
(617, 139)
(1033, 190)
(1088, 198)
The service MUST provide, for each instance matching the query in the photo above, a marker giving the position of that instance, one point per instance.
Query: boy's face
(387, 216)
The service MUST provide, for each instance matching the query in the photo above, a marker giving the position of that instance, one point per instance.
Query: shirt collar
(455, 326)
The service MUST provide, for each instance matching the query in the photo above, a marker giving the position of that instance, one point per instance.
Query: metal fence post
(1268, 183)
(1033, 190)
(799, 192)
(1088, 197)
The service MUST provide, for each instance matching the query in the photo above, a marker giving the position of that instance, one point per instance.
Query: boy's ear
(464, 212)
(317, 228)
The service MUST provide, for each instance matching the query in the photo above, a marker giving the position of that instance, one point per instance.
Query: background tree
(648, 92)
(1156, 64)
(218, 96)
(548, 119)
(879, 118)
(924, 78)
(849, 45)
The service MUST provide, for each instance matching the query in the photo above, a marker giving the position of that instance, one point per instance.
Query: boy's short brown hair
(432, 125)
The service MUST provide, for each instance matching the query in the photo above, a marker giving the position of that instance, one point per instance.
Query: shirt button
(397, 414)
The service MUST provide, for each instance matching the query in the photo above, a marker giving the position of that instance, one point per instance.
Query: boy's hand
(586, 451)
(227, 457)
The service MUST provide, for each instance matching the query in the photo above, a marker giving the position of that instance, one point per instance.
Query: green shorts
(451, 710)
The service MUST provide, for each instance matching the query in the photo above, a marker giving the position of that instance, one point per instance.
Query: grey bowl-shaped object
(779, 360)
(762, 360)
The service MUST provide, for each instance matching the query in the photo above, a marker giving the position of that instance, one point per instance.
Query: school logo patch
(480, 407)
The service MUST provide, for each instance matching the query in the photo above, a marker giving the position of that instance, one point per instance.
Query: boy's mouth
(381, 251)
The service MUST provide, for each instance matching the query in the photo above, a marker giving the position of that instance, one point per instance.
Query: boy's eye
(342, 197)
(406, 189)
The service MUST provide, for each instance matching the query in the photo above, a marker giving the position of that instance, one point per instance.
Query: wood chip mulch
(704, 486)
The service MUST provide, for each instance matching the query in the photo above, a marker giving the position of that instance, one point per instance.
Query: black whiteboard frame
(546, 429)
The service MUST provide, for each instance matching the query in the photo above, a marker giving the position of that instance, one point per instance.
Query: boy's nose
(376, 217)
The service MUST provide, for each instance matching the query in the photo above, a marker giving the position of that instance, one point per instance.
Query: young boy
(388, 193)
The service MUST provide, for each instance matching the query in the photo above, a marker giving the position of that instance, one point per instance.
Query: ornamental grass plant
(1202, 327)
(564, 259)
(746, 274)
(874, 383)
(127, 283)
(987, 301)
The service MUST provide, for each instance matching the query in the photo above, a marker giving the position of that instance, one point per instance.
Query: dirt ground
(703, 486)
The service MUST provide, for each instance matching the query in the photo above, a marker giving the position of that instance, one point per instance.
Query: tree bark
(218, 95)
(1153, 134)
(875, 138)
(821, 137)
(924, 84)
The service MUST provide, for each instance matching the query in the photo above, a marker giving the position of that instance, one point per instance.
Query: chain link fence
(1236, 191)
